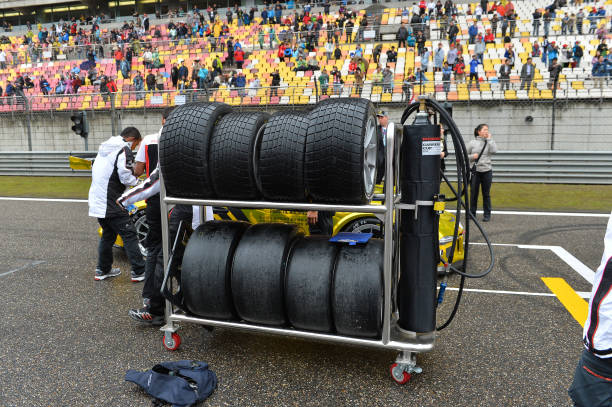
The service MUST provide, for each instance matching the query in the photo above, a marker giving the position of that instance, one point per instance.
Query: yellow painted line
(568, 297)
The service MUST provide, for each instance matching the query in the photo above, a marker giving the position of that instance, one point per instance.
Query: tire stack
(269, 274)
(327, 155)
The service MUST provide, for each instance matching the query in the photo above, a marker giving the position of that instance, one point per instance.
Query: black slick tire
(206, 269)
(308, 284)
(280, 157)
(258, 273)
(184, 146)
(341, 149)
(231, 157)
(358, 291)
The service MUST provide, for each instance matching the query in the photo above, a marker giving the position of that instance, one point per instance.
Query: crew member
(592, 386)
(154, 305)
(383, 122)
(146, 161)
(111, 172)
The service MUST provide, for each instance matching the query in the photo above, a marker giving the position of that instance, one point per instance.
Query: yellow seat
(510, 94)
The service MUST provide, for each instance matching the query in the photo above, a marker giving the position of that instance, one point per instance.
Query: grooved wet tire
(231, 155)
(308, 284)
(357, 298)
(280, 162)
(183, 149)
(341, 151)
(206, 269)
(258, 273)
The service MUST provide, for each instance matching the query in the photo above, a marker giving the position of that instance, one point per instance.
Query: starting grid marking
(572, 301)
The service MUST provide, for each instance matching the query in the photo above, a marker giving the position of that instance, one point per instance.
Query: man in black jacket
(275, 83)
(402, 35)
(527, 73)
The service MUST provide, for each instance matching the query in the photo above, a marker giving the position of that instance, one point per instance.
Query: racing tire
(206, 269)
(231, 157)
(341, 149)
(258, 273)
(183, 149)
(368, 224)
(308, 283)
(357, 299)
(280, 158)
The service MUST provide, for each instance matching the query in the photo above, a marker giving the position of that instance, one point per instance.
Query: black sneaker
(101, 275)
(486, 219)
(143, 315)
(136, 278)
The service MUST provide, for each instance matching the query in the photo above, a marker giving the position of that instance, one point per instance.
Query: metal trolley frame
(393, 337)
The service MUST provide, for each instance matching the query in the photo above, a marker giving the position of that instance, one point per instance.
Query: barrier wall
(578, 126)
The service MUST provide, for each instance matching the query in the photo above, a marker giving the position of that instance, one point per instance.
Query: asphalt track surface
(67, 340)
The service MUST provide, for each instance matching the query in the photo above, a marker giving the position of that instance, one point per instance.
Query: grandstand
(55, 61)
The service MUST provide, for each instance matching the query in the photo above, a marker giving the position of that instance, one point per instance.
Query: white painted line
(477, 290)
(582, 294)
(578, 266)
(7, 198)
(32, 264)
(533, 213)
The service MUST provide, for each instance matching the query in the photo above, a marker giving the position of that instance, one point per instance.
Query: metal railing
(566, 167)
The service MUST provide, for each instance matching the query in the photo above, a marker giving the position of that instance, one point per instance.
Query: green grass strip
(549, 197)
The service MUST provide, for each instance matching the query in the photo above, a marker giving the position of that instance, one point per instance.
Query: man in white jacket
(592, 386)
(111, 173)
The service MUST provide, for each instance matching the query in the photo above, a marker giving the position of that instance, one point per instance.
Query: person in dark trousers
(480, 151)
(111, 173)
(275, 83)
(152, 313)
(383, 122)
(145, 162)
(320, 222)
(592, 384)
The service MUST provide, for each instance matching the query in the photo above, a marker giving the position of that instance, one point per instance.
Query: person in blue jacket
(473, 32)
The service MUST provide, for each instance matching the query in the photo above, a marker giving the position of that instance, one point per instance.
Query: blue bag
(181, 383)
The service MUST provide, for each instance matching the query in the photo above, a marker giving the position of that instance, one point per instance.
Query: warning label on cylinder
(431, 146)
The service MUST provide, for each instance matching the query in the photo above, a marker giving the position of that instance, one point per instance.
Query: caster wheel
(172, 342)
(398, 375)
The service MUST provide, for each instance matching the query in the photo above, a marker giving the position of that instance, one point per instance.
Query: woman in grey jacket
(480, 151)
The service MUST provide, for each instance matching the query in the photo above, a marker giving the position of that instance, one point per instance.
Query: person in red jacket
(118, 59)
(239, 57)
(111, 86)
(489, 37)
(459, 69)
(281, 52)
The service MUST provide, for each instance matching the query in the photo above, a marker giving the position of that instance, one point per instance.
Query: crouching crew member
(154, 305)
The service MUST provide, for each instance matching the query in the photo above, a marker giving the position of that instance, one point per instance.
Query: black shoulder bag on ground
(473, 169)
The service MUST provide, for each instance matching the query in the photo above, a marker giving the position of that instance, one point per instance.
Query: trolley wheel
(172, 341)
(398, 375)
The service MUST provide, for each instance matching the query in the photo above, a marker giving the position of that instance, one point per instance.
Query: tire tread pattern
(335, 150)
(280, 166)
(183, 149)
(231, 155)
